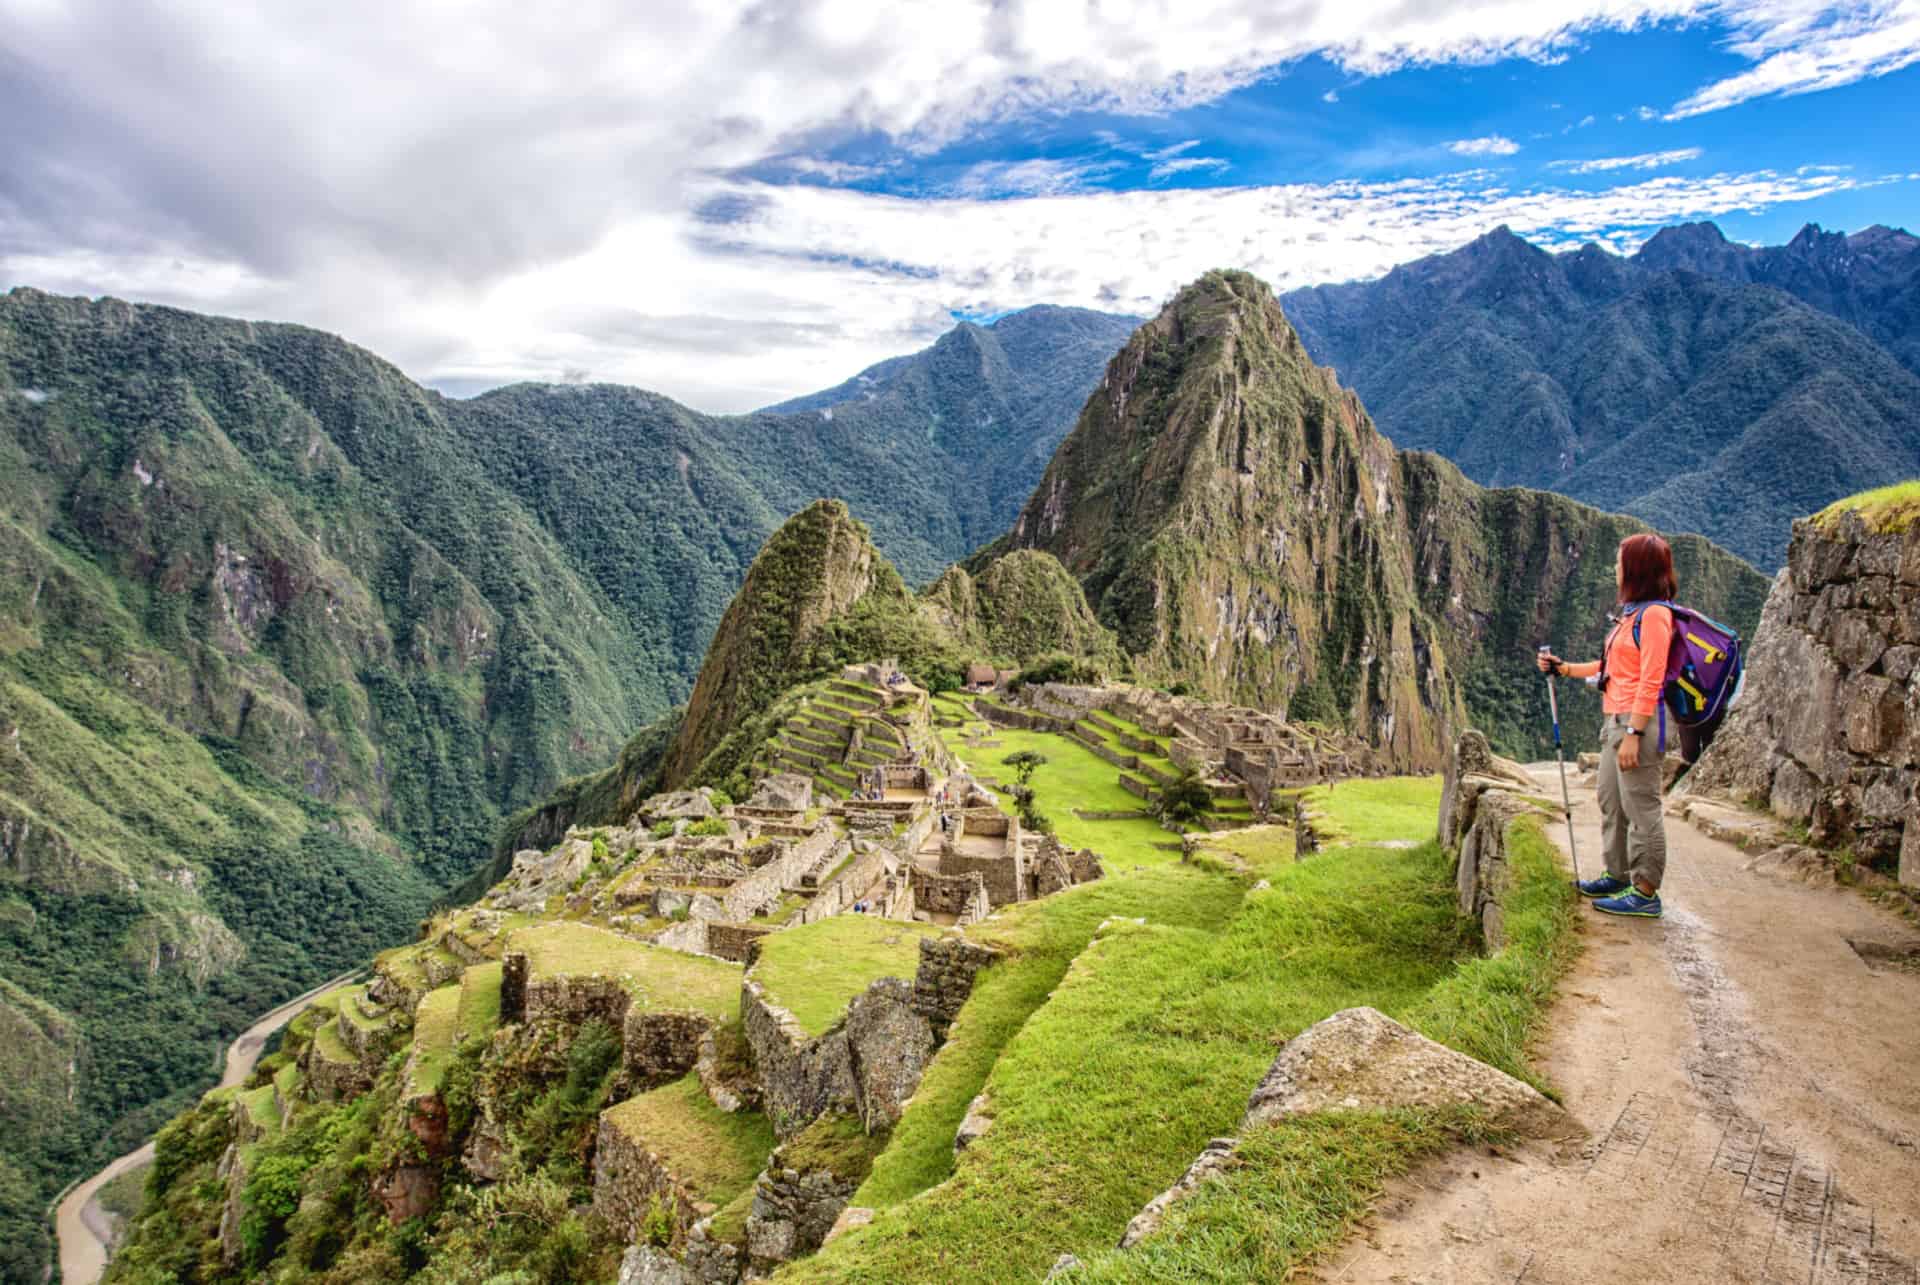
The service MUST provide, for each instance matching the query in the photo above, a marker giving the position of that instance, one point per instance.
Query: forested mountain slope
(1712, 403)
(284, 635)
(1870, 278)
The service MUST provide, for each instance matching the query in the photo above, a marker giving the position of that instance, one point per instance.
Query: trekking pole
(1553, 706)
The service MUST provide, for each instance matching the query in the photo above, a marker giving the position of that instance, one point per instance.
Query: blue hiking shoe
(1604, 886)
(1632, 903)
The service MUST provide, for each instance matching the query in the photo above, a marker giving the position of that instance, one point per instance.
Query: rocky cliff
(1827, 731)
(1237, 519)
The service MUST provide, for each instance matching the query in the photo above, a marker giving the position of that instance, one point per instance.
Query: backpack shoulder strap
(1640, 609)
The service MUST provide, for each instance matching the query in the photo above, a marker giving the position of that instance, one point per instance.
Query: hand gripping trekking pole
(1553, 706)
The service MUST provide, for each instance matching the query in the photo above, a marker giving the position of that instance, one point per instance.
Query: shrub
(708, 826)
(661, 830)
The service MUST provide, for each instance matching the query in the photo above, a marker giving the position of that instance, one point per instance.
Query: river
(82, 1225)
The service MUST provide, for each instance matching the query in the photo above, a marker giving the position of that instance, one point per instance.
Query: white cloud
(1038, 177)
(484, 195)
(1186, 165)
(1644, 161)
(1803, 46)
(1491, 145)
(1167, 153)
(1331, 96)
(1643, 112)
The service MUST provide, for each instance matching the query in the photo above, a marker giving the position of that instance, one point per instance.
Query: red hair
(1646, 569)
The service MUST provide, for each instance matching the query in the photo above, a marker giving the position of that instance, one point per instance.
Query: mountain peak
(1214, 482)
(815, 567)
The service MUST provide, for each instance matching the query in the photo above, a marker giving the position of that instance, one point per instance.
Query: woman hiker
(1631, 675)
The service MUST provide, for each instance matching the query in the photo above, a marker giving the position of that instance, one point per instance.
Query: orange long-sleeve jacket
(1635, 672)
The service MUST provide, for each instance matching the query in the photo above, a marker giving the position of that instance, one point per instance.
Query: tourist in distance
(1630, 674)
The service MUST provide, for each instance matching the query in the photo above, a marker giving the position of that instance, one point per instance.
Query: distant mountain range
(1699, 384)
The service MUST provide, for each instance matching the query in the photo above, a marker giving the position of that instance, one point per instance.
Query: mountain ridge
(1527, 368)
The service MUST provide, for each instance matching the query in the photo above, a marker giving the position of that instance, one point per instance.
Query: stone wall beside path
(1826, 733)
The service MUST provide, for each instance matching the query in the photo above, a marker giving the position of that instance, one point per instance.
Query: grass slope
(815, 970)
(716, 1154)
(1149, 1046)
(655, 976)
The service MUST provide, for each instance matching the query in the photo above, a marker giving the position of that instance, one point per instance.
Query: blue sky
(740, 200)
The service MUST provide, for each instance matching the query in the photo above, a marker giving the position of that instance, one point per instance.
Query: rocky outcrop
(1361, 1059)
(1826, 732)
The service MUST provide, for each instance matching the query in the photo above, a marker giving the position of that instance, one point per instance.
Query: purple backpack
(1704, 667)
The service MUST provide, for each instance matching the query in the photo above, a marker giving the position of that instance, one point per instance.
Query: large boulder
(537, 875)
(688, 805)
(1361, 1059)
(784, 791)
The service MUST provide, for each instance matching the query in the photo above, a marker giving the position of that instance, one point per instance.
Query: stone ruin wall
(963, 896)
(944, 980)
(1827, 729)
(763, 887)
(737, 942)
(629, 1181)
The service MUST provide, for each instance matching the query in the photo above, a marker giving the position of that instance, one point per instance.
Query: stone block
(1899, 662)
(1910, 850)
(1360, 1059)
(1217, 1157)
(1876, 715)
(974, 1125)
(1859, 640)
(1794, 791)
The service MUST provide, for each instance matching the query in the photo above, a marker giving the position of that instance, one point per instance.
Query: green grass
(1297, 1184)
(436, 1030)
(261, 1110)
(1491, 1005)
(1384, 810)
(1148, 1049)
(715, 1154)
(1041, 939)
(350, 1012)
(327, 1043)
(1260, 852)
(656, 977)
(479, 1001)
(1885, 510)
(1075, 777)
(814, 970)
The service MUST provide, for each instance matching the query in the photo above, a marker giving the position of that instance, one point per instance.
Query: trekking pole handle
(1553, 701)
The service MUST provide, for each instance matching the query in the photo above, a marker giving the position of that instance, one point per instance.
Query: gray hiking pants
(1632, 828)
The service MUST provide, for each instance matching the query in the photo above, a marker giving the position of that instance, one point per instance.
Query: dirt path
(83, 1227)
(1752, 1085)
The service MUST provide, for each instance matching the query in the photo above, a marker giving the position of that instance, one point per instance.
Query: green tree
(1185, 799)
(1023, 764)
